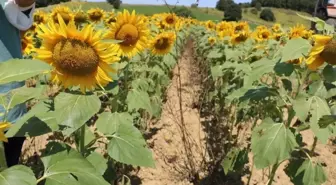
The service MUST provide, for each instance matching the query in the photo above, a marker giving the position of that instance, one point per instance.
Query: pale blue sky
(202, 3)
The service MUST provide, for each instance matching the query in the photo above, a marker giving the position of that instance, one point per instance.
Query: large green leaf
(98, 161)
(329, 73)
(21, 69)
(302, 105)
(319, 108)
(64, 168)
(20, 95)
(215, 54)
(108, 122)
(17, 175)
(127, 144)
(305, 172)
(74, 110)
(260, 68)
(271, 143)
(235, 160)
(137, 99)
(38, 121)
(259, 93)
(295, 48)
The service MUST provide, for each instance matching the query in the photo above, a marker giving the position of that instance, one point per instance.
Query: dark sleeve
(27, 12)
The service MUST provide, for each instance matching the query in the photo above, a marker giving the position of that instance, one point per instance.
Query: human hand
(24, 3)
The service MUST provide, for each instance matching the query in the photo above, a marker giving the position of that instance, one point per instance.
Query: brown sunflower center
(241, 38)
(329, 53)
(80, 17)
(75, 57)
(162, 43)
(264, 35)
(170, 19)
(65, 16)
(111, 20)
(96, 16)
(128, 33)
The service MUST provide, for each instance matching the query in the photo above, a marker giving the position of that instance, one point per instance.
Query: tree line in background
(299, 5)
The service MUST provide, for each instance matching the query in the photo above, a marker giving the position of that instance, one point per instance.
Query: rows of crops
(96, 78)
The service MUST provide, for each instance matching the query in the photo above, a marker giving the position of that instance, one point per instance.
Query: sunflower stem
(82, 140)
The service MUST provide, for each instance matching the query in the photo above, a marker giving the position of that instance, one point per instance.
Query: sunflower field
(94, 79)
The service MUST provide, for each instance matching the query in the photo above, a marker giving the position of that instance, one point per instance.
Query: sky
(202, 3)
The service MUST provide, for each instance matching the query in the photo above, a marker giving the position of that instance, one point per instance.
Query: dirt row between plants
(178, 146)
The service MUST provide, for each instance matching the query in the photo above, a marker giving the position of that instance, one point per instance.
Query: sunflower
(225, 33)
(27, 45)
(210, 25)
(163, 43)
(64, 12)
(40, 17)
(297, 31)
(239, 37)
(224, 26)
(212, 40)
(242, 26)
(277, 36)
(323, 51)
(96, 14)
(80, 17)
(262, 35)
(131, 31)
(169, 20)
(276, 28)
(4, 126)
(78, 57)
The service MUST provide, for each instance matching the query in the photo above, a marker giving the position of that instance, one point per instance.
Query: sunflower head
(210, 25)
(262, 35)
(212, 40)
(169, 20)
(78, 57)
(64, 12)
(40, 17)
(242, 26)
(163, 43)
(239, 37)
(277, 36)
(80, 17)
(133, 33)
(96, 14)
(297, 31)
(276, 28)
(27, 45)
(322, 51)
(224, 26)
(297, 61)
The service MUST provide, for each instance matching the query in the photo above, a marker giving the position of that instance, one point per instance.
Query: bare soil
(178, 146)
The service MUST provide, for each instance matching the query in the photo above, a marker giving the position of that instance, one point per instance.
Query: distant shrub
(233, 13)
(267, 15)
(183, 12)
(245, 10)
(258, 6)
(254, 11)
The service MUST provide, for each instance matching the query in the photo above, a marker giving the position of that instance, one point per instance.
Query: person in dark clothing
(15, 16)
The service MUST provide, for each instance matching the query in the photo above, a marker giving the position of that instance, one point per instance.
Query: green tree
(267, 15)
(233, 12)
(223, 4)
(258, 6)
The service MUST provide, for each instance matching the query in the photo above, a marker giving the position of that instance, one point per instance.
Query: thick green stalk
(272, 175)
